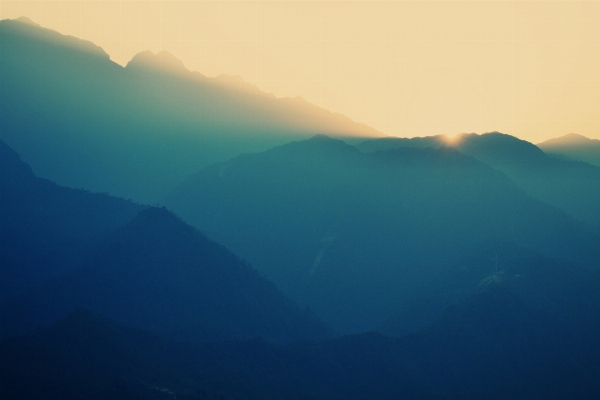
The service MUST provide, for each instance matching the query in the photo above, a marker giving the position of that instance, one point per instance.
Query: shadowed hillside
(510, 340)
(160, 274)
(46, 229)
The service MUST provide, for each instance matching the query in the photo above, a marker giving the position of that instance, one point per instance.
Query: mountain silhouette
(163, 62)
(511, 339)
(575, 147)
(162, 275)
(45, 229)
(83, 121)
(571, 186)
(355, 235)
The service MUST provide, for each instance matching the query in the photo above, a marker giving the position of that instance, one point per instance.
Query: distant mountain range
(355, 235)
(474, 258)
(574, 147)
(571, 186)
(82, 120)
(65, 248)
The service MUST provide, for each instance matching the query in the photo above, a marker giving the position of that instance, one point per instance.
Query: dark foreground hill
(162, 275)
(511, 340)
(81, 120)
(569, 185)
(46, 229)
(356, 235)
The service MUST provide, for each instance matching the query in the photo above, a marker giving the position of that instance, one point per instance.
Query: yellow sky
(529, 69)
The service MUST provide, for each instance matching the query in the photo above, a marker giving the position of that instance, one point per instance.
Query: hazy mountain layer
(574, 147)
(81, 120)
(568, 185)
(160, 274)
(46, 229)
(356, 235)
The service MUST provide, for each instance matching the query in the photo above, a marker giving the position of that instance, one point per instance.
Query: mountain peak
(571, 139)
(162, 61)
(576, 136)
(320, 137)
(23, 27)
(27, 21)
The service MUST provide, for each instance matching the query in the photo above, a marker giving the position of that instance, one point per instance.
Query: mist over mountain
(160, 274)
(454, 268)
(356, 235)
(571, 186)
(45, 229)
(83, 121)
(575, 147)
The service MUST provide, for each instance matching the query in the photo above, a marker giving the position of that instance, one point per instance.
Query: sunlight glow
(526, 68)
(452, 139)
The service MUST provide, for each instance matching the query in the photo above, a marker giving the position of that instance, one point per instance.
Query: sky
(407, 68)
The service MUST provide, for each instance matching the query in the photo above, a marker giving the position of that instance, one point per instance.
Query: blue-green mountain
(575, 147)
(46, 229)
(355, 235)
(142, 266)
(83, 121)
(566, 184)
(514, 339)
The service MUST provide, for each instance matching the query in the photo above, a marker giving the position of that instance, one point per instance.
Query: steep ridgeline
(574, 147)
(569, 185)
(46, 229)
(81, 120)
(355, 235)
(159, 274)
(514, 339)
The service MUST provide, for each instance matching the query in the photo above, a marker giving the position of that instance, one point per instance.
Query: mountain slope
(160, 274)
(511, 340)
(82, 120)
(45, 229)
(575, 147)
(569, 185)
(539, 280)
(353, 234)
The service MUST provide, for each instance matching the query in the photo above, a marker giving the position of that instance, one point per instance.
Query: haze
(408, 69)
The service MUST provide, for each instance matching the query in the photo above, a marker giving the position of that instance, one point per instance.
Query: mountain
(162, 275)
(547, 283)
(87, 356)
(83, 121)
(571, 186)
(512, 339)
(355, 235)
(46, 229)
(575, 147)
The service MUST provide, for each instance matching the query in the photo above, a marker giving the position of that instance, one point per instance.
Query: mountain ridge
(84, 121)
(575, 147)
(572, 186)
(162, 275)
(46, 229)
(345, 222)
